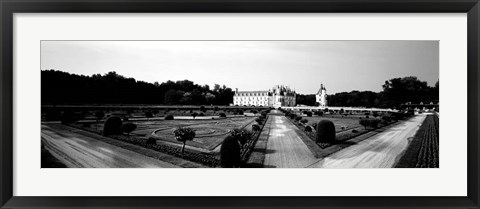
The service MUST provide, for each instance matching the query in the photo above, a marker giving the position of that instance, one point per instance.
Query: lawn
(347, 123)
(209, 133)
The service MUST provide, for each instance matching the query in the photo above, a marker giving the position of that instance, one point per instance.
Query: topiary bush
(319, 113)
(230, 153)
(201, 114)
(255, 127)
(309, 114)
(113, 125)
(128, 128)
(222, 115)
(374, 123)
(241, 135)
(364, 122)
(194, 115)
(304, 121)
(169, 117)
(298, 118)
(308, 129)
(325, 132)
(259, 120)
(151, 140)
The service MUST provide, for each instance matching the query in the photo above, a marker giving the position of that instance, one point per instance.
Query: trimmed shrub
(374, 123)
(201, 114)
(292, 116)
(241, 135)
(354, 131)
(387, 118)
(194, 115)
(230, 153)
(202, 108)
(112, 126)
(222, 115)
(304, 121)
(309, 114)
(264, 114)
(255, 127)
(151, 140)
(259, 120)
(169, 117)
(128, 128)
(298, 118)
(320, 113)
(308, 129)
(364, 122)
(184, 135)
(325, 132)
(148, 114)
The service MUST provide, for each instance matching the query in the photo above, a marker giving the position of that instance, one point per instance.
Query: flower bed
(247, 148)
(191, 155)
(339, 136)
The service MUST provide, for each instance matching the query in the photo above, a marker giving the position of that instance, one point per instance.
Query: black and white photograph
(240, 104)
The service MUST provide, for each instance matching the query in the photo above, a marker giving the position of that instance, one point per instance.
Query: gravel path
(285, 149)
(379, 151)
(77, 150)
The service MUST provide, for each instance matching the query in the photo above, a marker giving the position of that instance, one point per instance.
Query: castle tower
(321, 96)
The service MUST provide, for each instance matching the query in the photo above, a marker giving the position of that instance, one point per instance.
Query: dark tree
(325, 131)
(230, 153)
(112, 126)
(128, 128)
(184, 135)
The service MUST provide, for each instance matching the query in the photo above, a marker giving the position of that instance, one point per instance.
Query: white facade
(322, 96)
(277, 97)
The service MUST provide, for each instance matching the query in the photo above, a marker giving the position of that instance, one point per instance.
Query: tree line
(111, 88)
(395, 93)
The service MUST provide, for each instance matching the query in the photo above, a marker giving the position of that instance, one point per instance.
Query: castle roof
(322, 87)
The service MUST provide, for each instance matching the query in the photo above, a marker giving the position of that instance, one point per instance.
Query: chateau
(321, 96)
(278, 96)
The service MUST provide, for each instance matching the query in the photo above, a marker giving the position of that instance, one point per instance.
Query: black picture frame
(9, 7)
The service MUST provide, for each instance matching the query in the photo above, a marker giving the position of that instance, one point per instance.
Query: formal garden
(197, 138)
(328, 128)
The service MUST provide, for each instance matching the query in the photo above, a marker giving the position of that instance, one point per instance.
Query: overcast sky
(251, 65)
